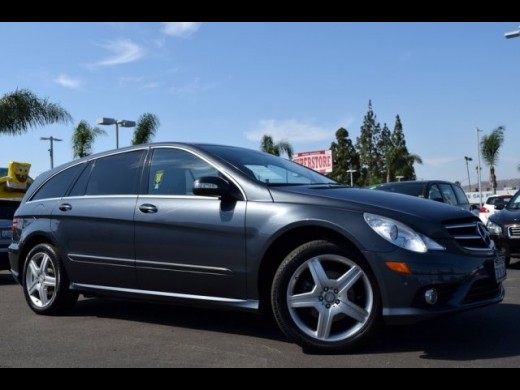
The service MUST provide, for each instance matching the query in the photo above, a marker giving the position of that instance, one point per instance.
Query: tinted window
(173, 171)
(7, 209)
(435, 193)
(115, 175)
(414, 189)
(461, 195)
(514, 204)
(58, 185)
(448, 194)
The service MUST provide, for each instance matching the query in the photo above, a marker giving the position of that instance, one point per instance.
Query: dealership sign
(320, 161)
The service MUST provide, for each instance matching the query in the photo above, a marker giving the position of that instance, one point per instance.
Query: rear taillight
(484, 210)
(16, 222)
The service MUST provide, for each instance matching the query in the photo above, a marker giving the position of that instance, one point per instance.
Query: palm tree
(400, 162)
(490, 147)
(146, 128)
(21, 110)
(83, 139)
(268, 146)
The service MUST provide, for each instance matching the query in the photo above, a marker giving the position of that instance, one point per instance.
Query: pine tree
(369, 156)
(384, 146)
(345, 157)
(398, 134)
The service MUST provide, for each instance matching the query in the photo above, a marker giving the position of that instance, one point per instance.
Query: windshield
(268, 169)
(514, 204)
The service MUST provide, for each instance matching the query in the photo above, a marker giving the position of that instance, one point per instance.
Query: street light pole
(468, 159)
(112, 121)
(51, 149)
(479, 167)
(399, 178)
(352, 171)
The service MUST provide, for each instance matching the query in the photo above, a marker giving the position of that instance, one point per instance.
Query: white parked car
(488, 209)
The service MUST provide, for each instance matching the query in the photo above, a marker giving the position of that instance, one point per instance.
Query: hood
(506, 217)
(402, 207)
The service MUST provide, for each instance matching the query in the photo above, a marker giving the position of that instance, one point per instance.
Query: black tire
(45, 282)
(335, 302)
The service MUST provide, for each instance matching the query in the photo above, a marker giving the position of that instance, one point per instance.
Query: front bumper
(508, 246)
(462, 282)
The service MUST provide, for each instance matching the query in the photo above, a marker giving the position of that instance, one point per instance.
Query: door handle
(65, 207)
(148, 209)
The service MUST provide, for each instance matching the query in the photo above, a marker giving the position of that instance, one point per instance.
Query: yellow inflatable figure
(15, 184)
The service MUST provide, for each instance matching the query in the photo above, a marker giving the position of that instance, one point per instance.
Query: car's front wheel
(325, 299)
(45, 282)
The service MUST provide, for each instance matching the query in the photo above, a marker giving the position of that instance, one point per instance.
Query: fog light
(431, 296)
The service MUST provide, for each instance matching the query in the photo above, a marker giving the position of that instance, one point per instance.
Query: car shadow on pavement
(224, 321)
(6, 278)
(478, 335)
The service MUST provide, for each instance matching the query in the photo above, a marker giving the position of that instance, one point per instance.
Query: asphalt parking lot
(114, 333)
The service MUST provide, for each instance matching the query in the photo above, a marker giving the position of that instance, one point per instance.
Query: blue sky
(230, 83)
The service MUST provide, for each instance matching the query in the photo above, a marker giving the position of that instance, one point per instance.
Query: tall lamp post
(51, 149)
(352, 171)
(479, 167)
(399, 178)
(468, 159)
(112, 121)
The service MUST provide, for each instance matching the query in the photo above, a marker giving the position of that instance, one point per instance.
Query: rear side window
(115, 175)
(58, 185)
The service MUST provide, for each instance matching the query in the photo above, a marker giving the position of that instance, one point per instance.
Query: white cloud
(68, 82)
(439, 162)
(180, 29)
(291, 130)
(123, 51)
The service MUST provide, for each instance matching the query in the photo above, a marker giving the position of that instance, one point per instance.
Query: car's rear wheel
(45, 282)
(325, 299)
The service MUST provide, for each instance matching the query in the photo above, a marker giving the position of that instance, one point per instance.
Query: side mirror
(500, 204)
(211, 186)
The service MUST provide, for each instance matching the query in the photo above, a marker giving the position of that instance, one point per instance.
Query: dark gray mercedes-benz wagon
(207, 224)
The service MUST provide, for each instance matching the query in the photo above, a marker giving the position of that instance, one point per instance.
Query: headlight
(494, 228)
(400, 234)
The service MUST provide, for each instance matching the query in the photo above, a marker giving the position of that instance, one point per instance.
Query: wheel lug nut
(337, 302)
(336, 291)
(328, 306)
(321, 299)
(326, 289)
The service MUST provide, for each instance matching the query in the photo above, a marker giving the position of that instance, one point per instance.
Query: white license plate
(7, 234)
(500, 269)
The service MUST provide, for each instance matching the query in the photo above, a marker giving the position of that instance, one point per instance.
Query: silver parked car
(218, 225)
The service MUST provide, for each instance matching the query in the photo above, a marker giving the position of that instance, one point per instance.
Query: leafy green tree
(83, 139)
(398, 138)
(490, 147)
(146, 128)
(22, 109)
(345, 157)
(370, 157)
(277, 149)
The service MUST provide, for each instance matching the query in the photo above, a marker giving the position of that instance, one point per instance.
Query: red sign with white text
(320, 161)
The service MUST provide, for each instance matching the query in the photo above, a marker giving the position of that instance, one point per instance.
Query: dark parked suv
(7, 209)
(437, 190)
(504, 226)
(217, 225)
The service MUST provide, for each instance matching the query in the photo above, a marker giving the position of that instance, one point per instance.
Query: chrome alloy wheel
(40, 280)
(330, 298)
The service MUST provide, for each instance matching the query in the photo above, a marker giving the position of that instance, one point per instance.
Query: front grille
(472, 236)
(483, 290)
(514, 232)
